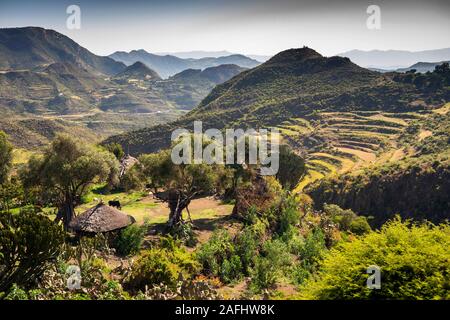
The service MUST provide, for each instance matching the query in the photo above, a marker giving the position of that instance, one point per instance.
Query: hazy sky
(244, 26)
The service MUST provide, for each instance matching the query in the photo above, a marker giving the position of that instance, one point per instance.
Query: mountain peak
(139, 70)
(295, 55)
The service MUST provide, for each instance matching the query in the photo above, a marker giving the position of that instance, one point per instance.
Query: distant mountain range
(420, 67)
(395, 59)
(170, 65)
(199, 54)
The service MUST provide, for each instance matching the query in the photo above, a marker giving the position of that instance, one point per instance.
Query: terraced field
(352, 140)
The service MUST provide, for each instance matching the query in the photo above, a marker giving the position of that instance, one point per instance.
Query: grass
(21, 156)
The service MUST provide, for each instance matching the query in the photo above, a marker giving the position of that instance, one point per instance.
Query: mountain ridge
(32, 47)
(169, 65)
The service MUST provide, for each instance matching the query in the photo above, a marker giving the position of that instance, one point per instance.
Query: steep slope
(294, 84)
(31, 47)
(59, 87)
(168, 65)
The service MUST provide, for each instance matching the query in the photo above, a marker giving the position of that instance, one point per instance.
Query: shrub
(414, 262)
(184, 231)
(213, 253)
(164, 264)
(129, 240)
(359, 226)
(347, 220)
(246, 245)
(28, 242)
(313, 249)
(231, 269)
(274, 259)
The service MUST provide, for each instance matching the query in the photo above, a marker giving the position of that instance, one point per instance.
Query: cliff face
(418, 189)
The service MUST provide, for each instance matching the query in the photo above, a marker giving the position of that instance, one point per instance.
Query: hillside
(289, 91)
(50, 84)
(419, 165)
(169, 65)
(32, 47)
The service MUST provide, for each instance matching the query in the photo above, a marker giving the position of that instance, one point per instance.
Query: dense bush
(271, 264)
(214, 254)
(162, 264)
(129, 240)
(347, 220)
(414, 262)
(28, 242)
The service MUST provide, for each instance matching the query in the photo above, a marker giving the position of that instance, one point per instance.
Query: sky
(241, 26)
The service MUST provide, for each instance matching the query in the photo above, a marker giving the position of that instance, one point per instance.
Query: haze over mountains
(198, 54)
(395, 59)
(169, 65)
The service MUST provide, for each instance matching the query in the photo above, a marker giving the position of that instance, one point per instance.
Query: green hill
(295, 84)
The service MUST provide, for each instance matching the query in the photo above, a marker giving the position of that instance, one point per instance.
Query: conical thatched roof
(101, 218)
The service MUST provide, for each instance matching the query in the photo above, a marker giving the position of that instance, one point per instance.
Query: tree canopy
(66, 170)
(181, 182)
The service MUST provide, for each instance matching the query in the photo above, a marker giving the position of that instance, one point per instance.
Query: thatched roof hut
(100, 219)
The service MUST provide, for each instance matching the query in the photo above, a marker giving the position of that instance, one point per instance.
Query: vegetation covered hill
(290, 91)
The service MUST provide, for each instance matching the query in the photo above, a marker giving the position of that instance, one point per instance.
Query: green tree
(181, 183)
(5, 157)
(292, 167)
(28, 242)
(115, 149)
(65, 172)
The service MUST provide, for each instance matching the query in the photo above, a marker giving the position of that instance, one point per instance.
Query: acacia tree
(181, 182)
(65, 171)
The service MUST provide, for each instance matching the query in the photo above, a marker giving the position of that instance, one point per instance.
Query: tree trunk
(177, 203)
(66, 212)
